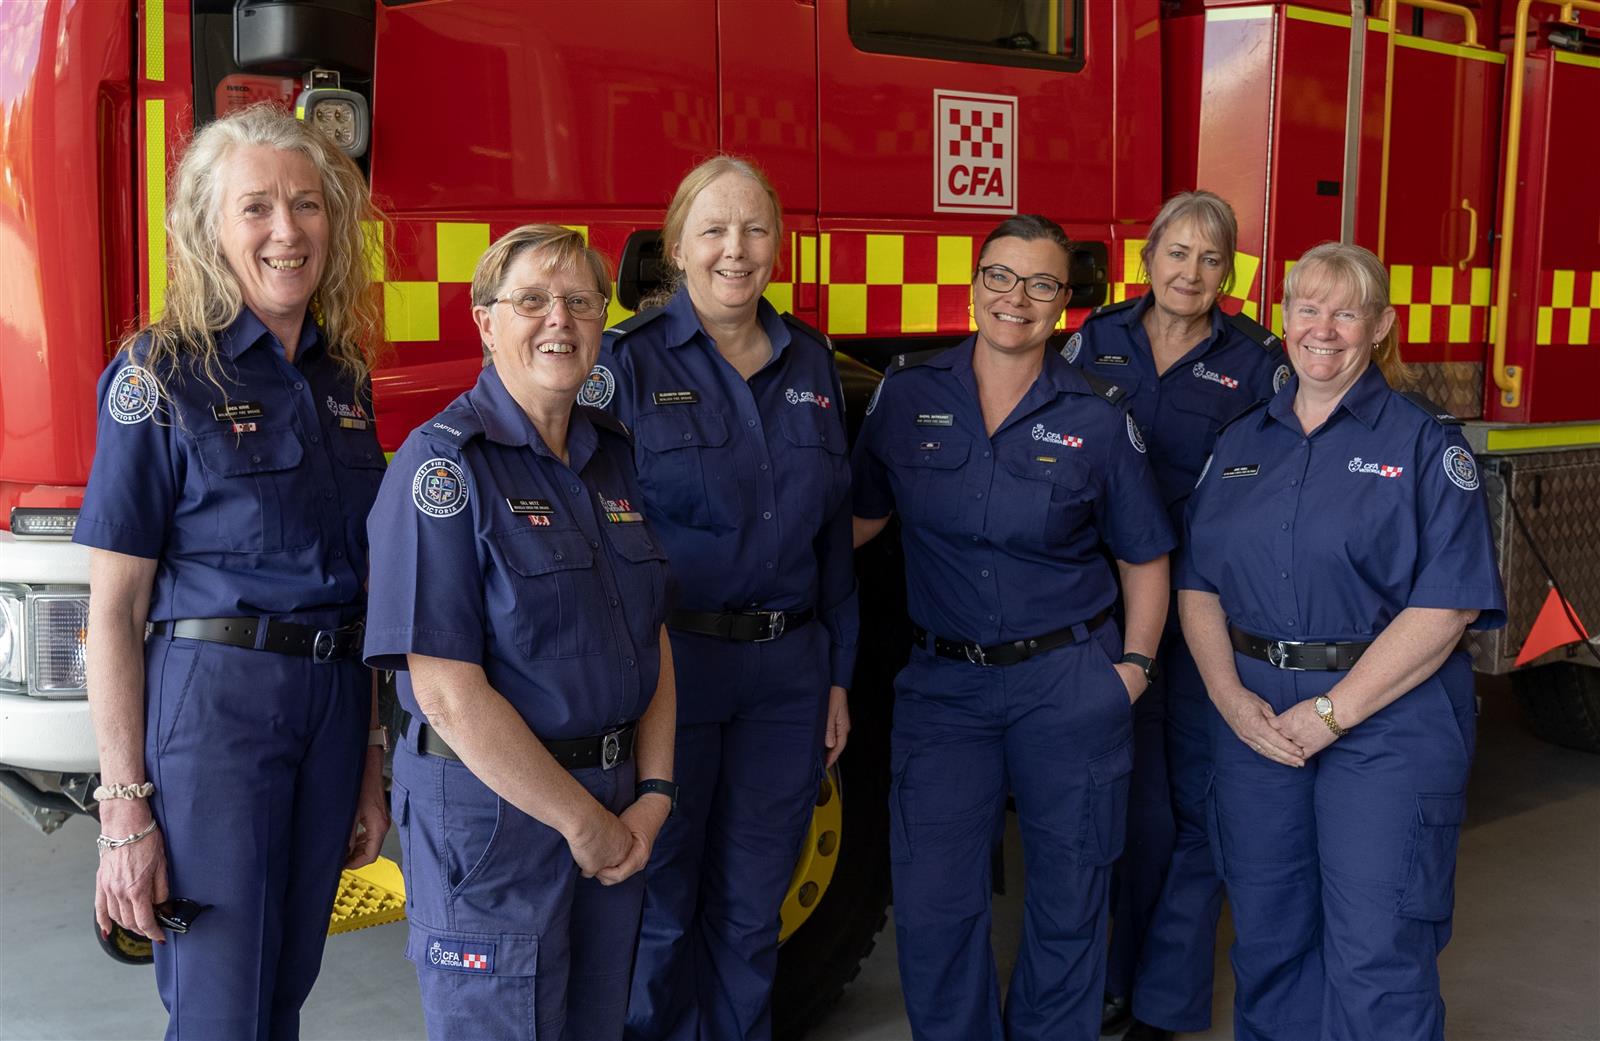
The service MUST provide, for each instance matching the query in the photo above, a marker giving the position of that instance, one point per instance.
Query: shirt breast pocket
(555, 593)
(1200, 409)
(1054, 500)
(814, 474)
(360, 471)
(641, 580)
(684, 469)
(262, 502)
(932, 471)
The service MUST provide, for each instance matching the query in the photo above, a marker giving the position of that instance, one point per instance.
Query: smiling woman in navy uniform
(1187, 368)
(520, 594)
(741, 450)
(1338, 547)
(1015, 477)
(227, 506)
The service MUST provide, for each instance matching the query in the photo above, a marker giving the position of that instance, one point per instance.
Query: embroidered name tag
(1112, 359)
(1248, 470)
(935, 419)
(675, 397)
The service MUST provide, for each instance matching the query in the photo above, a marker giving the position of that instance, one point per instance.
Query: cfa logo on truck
(975, 162)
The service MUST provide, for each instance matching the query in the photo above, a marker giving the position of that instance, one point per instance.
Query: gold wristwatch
(1324, 707)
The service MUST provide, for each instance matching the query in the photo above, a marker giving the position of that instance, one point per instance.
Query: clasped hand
(615, 846)
(1290, 738)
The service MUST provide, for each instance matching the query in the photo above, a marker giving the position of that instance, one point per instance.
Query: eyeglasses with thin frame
(1001, 279)
(586, 305)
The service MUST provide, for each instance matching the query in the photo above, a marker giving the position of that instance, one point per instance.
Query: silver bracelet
(105, 842)
(124, 791)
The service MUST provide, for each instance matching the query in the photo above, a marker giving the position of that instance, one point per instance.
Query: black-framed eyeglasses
(1001, 279)
(585, 305)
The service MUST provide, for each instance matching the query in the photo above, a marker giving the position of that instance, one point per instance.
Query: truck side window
(1036, 33)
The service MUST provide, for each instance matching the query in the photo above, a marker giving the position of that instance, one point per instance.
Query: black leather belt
(745, 626)
(320, 645)
(1004, 653)
(1298, 657)
(607, 751)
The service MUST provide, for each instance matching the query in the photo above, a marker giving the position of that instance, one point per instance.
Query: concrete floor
(1524, 963)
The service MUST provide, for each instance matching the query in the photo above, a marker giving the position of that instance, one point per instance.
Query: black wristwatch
(659, 787)
(1147, 665)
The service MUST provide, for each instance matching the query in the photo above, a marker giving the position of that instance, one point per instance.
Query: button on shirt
(1181, 410)
(747, 482)
(487, 548)
(1329, 536)
(252, 496)
(1003, 536)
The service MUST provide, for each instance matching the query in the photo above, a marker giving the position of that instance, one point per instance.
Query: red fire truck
(1454, 139)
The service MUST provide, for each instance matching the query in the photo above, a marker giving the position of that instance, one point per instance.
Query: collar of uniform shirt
(247, 330)
(505, 423)
(1057, 375)
(1147, 300)
(683, 323)
(1364, 400)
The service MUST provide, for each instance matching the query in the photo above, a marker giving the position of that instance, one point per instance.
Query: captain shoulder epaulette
(913, 358)
(621, 330)
(454, 426)
(1255, 332)
(606, 421)
(1102, 387)
(1120, 305)
(809, 331)
(1248, 410)
(1442, 416)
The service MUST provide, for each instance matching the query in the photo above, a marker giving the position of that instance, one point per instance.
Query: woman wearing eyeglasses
(1018, 479)
(740, 441)
(1187, 367)
(519, 595)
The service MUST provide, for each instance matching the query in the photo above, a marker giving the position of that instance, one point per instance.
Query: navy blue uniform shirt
(746, 482)
(1181, 410)
(254, 496)
(1329, 536)
(487, 548)
(1003, 535)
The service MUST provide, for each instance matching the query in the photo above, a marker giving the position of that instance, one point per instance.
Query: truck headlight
(12, 674)
(43, 640)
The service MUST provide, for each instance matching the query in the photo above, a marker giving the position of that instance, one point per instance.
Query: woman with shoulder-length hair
(740, 441)
(226, 508)
(1338, 547)
(1187, 368)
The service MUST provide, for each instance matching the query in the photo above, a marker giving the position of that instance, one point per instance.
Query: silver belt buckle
(1278, 654)
(777, 621)
(611, 750)
(975, 654)
(322, 646)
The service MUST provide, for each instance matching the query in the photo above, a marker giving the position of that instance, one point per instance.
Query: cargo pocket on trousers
(1105, 824)
(465, 975)
(899, 831)
(1429, 893)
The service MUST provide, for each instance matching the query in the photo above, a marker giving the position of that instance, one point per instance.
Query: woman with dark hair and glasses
(1018, 480)
(1187, 367)
(519, 594)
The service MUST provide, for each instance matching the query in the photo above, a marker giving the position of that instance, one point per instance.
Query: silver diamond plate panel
(1558, 495)
(1456, 386)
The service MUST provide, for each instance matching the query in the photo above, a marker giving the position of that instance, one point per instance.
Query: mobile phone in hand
(179, 914)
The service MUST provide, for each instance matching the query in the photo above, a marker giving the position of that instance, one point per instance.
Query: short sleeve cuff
(1491, 608)
(870, 504)
(387, 648)
(101, 535)
(1144, 546)
(1186, 577)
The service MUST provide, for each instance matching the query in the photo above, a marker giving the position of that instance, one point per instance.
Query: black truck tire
(1562, 703)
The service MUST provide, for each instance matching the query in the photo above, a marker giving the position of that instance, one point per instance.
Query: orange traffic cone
(1553, 628)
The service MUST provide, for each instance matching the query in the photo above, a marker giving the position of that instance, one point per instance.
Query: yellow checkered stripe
(1567, 302)
(1433, 303)
(1133, 281)
(411, 307)
(891, 283)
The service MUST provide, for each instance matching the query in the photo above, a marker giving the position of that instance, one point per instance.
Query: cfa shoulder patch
(876, 393)
(1134, 435)
(1074, 345)
(598, 389)
(439, 488)
(1255, 332)
(1461, 468)
(1101, 387)
(1280, 376)
(1442, 416)
(133, 395)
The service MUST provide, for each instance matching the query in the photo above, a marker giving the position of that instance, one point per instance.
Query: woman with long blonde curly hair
(235, 466)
